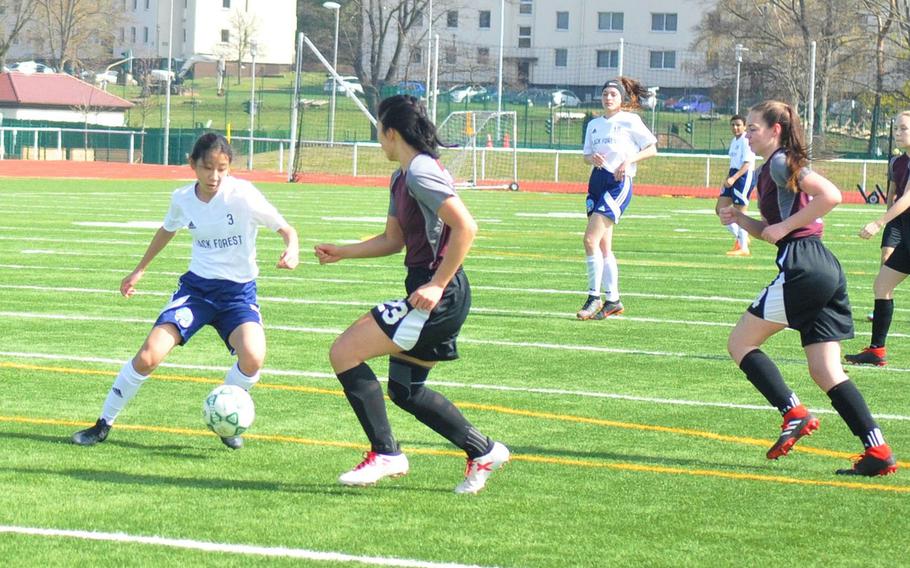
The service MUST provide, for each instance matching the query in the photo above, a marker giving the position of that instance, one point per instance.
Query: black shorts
(900, 258)
(428, 336)
(891, 234)
(809, 293)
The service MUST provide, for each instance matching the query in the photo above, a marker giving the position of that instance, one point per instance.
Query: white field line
(471, 385)
(245, 549)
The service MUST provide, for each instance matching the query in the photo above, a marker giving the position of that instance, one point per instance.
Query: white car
(459, 93)
(350, 81)
(107, 77)
(29, 67)
(563, 97)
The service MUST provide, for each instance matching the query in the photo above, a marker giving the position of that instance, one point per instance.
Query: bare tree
(883, 14)
(14, 17)
(244, 26)
(71, 30)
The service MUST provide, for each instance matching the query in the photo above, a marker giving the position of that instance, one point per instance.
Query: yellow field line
(529, 458)
(485, 407)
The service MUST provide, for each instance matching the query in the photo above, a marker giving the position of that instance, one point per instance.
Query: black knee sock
(765, 376)
(407, 390)
(850, 404)
(881, 321)
(364, 393)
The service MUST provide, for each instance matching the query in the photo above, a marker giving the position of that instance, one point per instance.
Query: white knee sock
(122, 391)
(595, 274)
(611, 278)
(734, 229)
(743, 239)
(236, 377)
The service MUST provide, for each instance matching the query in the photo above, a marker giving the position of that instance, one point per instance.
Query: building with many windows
(562, 43)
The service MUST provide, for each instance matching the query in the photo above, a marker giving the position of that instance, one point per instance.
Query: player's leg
(725, 199)
(160, 341)
(594, 261)
(360, 342)
(887, 280)
(826, 370)
(247, 340)
(742, 238)
(612, 305)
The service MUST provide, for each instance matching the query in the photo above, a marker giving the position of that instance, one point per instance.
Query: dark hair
(738, 117)
(791, 135)
(632, 91)
(408, 116)
(211, 142)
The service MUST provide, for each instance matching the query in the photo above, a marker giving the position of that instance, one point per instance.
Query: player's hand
(289, 259)
(426, 297)
(729, 182)
(728, 214)
(128, 284)
(327, 253)
(621, 171)
(774, 233)
(869, 230)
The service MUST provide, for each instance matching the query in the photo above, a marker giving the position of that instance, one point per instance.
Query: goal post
(482, 152)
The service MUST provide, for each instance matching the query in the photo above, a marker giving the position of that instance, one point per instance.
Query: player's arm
(898, 207)
(825, 196)
(391, 241)
(889, 197)
(731, 214)
(290, 258)
(159, 241)
(740, 173)
(463, 230)
(648, 151)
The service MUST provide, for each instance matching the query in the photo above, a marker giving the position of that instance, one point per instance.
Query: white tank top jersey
(617, 138)
(740, 153)
(224, 229)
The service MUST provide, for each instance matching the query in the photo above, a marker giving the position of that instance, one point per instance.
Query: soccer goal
(483, 155)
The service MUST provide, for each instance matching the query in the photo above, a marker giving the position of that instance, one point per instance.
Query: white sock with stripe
(595, 274)
(122, 391)
(611, 278)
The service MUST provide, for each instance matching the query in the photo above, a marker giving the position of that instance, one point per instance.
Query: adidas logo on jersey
(191, 225)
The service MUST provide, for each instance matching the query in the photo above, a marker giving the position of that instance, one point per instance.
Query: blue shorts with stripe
(741, 190)
(222, 304)
(809, 293)
(608, 196)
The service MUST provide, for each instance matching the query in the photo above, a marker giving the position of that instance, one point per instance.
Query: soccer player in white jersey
(739, 184)
(614, 144)
(223, 215)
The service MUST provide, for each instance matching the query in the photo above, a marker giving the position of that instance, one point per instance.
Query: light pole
(167, 85)
(502, 30)
(253, 46)
(739, 49)
(337, 8)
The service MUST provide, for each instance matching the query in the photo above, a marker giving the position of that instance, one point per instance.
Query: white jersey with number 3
(224, 229)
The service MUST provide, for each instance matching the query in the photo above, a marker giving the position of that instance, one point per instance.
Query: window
(124, 5)
(484, 20)
(147, 4)
(225, 36)
(608, 58)
(225, 3)
(184, 35)
(452, 19)
(562, 57)
(416, 55)
(135, 4)
(524, 36)
(562, 21)
(525, 7)
(451, 55)
(145, 34)
(663, 22)
(133, 34)
(483, 55)
(122, 35)
(609, 21)
(663, 60)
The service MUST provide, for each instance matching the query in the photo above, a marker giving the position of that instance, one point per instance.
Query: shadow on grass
(171, 450)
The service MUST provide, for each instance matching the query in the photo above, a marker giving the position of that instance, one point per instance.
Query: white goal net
(483, 155)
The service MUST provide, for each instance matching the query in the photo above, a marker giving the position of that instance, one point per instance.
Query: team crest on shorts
(184, 317)
(589, 205)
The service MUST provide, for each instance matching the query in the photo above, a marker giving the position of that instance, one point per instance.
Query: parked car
(348, 80)
(31, 67)
(413, 88)
(693, 103)
(564, 98)
(532, 97)
(459, 93)
(108, 77)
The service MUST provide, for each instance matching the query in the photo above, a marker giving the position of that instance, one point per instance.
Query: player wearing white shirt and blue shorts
(223, 215)
(740, 182)
(614, 143)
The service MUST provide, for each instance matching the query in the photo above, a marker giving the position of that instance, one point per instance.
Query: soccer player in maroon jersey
(809, 293)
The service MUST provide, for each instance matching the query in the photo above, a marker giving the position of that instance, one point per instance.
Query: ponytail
(636, 92)
(791, 136)
(408, 116)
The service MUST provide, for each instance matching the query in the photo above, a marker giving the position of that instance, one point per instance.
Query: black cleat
(590, 309)
(94, 435)
(233, 442)
(793, 428)
(874, 461)
(609, 309)
(869, 356)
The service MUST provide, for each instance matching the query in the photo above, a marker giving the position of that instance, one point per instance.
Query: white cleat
(375, 467)
(480, 469)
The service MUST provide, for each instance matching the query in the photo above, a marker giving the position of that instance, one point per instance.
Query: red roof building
(59, 97)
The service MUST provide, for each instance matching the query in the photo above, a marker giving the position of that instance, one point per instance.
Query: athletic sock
(743, 239)
(765, 376)
(881, 321)
(236, 377)
(850, 404)
(364, 393)
(734, 229)
(122, 391)
(611, 278)
(595, 266)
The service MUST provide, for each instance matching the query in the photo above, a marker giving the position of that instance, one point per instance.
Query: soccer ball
(228, 411)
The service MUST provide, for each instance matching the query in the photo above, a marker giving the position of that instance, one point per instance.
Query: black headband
(616, 84)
